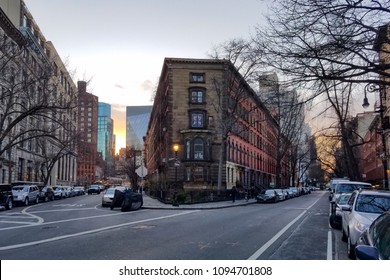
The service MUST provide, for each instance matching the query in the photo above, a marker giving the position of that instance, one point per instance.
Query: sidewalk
(152, 203)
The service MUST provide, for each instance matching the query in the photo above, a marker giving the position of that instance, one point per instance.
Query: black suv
(6, 198)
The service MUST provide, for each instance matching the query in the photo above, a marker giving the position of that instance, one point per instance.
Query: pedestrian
(252, 192)
(233, 193)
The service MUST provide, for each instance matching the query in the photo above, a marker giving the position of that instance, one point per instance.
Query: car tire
(343, 236)
(37, 200)
(26, 202)
(46, 199)
(9, 204)
(331, 222)
(350, 249)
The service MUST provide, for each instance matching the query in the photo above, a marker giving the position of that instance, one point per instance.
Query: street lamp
(384, 123)
(176, 149)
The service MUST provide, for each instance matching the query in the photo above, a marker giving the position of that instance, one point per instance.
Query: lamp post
(384, 124)
(176, 149)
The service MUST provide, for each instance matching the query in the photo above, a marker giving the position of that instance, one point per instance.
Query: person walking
(233, 193)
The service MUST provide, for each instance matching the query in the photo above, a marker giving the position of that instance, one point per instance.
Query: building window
(198, 174)
(20, 169)
(188, 149)
(197, 95)
(197, 119)
(197, 78)
(198, 149)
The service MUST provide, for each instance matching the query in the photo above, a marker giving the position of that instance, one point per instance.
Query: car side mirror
(346, 208)
(365, 252)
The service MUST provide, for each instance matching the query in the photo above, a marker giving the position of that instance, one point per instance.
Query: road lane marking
(21, 245)
(263, 248)
(329, 247)
(40, 220)
(67, 220)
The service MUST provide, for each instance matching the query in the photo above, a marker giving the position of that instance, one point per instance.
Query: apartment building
(87, 135)
(208, 129)
(38, 115)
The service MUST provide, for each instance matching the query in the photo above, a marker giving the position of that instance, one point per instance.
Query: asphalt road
(80, 229)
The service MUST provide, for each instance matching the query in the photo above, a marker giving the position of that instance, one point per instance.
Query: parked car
(94, 189)
(79, 190)
(108, 195)
(6, 198)
(59, 192)
(267, 196)
(127, 200)
(348, 187)
(363, 207)
(374, 243)
(332, 185)
(46, 194)
(69, 192)
(336, 212)
(293, 192)
(25, 194)
(280, 193)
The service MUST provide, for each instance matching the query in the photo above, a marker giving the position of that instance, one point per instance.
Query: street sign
(141, 171)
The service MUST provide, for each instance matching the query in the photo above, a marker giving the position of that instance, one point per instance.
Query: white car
(25, 194)
(59, 192)
(348, 187)
(363, 207)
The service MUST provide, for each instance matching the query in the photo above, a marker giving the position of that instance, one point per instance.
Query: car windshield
(372, 204)
(343, 199)
(21, 188)
(345, 188)
(110, 191)
(269, 192)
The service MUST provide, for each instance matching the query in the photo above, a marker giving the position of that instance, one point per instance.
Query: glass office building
(105, 131)
(137, 120)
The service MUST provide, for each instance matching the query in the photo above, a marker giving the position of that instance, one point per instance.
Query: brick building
(87, 142)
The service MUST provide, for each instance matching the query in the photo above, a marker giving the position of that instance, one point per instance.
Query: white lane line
(330, 245)
(91, 231)
(19, 223)
(68, 220)
(263, 248)
(40, 220)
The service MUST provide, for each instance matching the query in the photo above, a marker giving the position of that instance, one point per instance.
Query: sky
(120, 45)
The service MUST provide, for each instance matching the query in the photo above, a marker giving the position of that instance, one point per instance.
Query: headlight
(360, 227)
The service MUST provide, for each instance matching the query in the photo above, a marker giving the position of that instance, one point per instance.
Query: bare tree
(313, 41)
(31, 106)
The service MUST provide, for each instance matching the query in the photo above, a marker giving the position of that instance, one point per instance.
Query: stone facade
(219, 124)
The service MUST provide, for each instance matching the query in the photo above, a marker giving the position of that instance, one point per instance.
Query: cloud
(118, 108)
(119, 86)
(147, 85)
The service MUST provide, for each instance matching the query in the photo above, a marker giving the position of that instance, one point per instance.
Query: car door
(347, 214)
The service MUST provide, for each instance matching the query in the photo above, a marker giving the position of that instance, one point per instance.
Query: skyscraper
(105, 131)
(137, 119)
(87, 153)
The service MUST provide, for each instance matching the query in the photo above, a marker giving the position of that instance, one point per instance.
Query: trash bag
(131, 201)
(118, 199)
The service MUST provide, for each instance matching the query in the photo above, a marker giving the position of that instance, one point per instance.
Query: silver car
(363, 207)
(59, 192)
(108, 195)
(25, 194)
